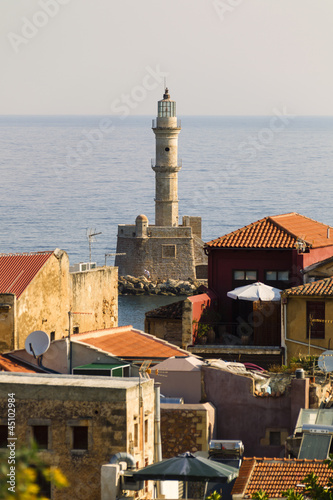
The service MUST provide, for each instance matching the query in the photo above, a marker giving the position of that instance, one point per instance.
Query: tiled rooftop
(274, 475)
(129, 343)
(322, 288)
(18, 270)
(280, 231)
(170, 311)
(7, 365)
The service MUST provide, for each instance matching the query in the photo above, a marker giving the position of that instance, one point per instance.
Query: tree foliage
(27, 466)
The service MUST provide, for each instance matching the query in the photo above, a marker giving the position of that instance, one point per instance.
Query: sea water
(63, 176)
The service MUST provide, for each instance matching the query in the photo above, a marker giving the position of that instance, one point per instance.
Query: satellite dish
(37, 343)
(325, 361)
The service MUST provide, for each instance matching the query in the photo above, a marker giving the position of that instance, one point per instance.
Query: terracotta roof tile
(274, 475)
(7, 365)
(128, 343)
(279, 231)
(18, 270)
(170, 311)
(322, 288)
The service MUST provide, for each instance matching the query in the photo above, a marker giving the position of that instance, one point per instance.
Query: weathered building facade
(79, 423)
(37, 291)
(307, 318)
(166, 249)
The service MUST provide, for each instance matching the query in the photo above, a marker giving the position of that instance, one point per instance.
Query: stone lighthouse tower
(166, 167)
(168, 249)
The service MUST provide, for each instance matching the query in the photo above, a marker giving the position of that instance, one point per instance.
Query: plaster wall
(95, 292)
(110, 411)
(222, 262)
(57, 356)
(316, 255)
(180, 384)
(8, 334)
(242, 415)
(193, 308)
(296, 327)
(45, 302)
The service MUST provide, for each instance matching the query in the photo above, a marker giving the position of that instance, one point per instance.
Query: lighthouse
(166, 165)
(168, 248)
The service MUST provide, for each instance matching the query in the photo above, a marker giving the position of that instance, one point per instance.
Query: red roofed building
(130, 344)
(273, 250)
(34, 293)
(8, 365)
(274, 475)
(37, 291)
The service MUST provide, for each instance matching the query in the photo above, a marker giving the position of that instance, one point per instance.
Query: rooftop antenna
(113, 254)
(91, 233)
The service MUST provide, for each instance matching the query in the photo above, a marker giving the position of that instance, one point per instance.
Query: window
(80, 437)
(52, 336)
(146, 430)
(136, 435)
(3, 436)
(317, 311)
(40, 434)
(275, 438)
(76, 329)
(277, 275)
(246, 275)
(169, 251)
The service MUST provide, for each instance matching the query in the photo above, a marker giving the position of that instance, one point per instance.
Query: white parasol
(255, 291)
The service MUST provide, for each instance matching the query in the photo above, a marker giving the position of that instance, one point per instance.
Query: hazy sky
(222, 57)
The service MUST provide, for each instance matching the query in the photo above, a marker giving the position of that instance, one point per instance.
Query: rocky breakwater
(130, 285)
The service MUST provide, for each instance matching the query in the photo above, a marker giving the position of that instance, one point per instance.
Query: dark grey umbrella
(187, 467)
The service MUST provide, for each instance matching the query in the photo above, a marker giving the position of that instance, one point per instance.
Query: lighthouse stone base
(161, 252)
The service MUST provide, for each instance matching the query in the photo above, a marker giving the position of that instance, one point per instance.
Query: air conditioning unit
(86, 266)
(82, 267)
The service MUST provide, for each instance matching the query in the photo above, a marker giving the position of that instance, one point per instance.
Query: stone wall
(166, 252)
(116, 414)
(186, 427)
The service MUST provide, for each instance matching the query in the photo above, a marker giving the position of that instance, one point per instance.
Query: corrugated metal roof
(18, 270)
(279, 231)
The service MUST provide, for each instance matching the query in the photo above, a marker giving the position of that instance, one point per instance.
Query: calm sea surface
(63, 175)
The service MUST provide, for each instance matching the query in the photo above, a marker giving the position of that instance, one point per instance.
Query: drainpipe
(157, 436)
(157, 422)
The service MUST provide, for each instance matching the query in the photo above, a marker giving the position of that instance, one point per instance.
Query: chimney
(328, 232)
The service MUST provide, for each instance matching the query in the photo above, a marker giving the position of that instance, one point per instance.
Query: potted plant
(201, 331)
